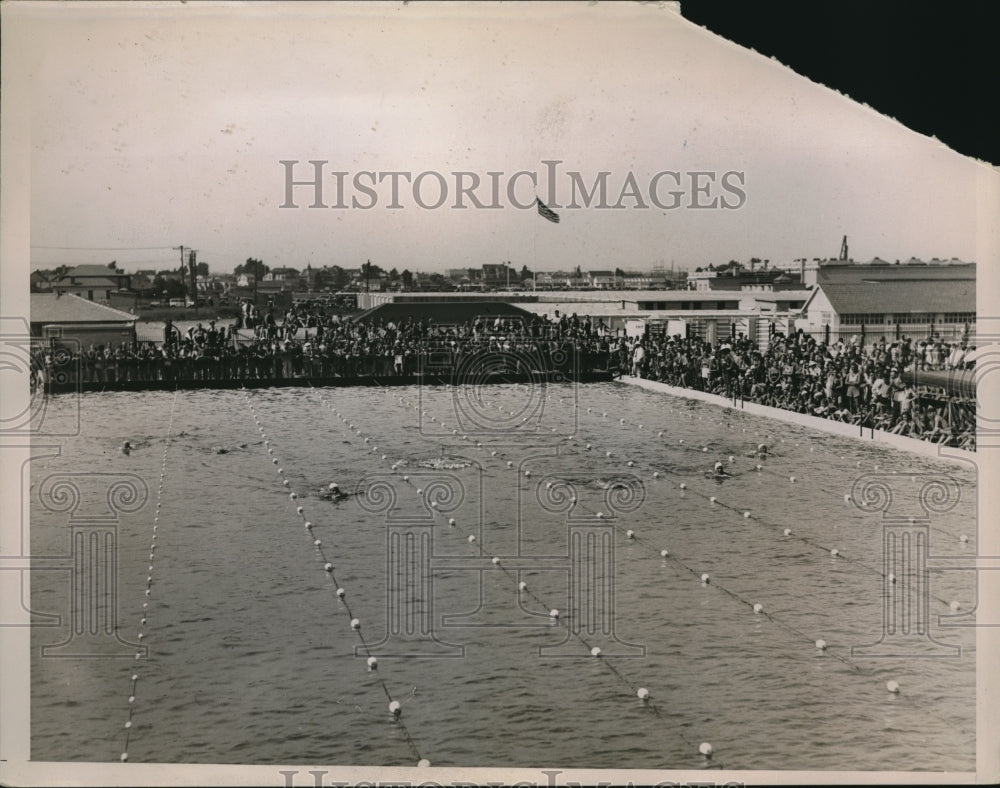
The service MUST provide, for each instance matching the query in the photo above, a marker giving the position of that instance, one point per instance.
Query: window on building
(856, 319)
(958, 317)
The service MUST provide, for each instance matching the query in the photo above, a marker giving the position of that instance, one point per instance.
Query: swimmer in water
(333, 493)
(126, 448)
(718, 473)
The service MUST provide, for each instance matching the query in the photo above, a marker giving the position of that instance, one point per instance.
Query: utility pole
(193, 270)
(183, 286)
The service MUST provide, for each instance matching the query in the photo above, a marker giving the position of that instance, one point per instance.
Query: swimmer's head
(718, 466)
(333, 487)
(762, 448)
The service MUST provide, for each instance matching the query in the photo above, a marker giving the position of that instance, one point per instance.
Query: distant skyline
(765, 263)
(154, 127)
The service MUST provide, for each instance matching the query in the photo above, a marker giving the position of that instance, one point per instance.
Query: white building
(913, 300)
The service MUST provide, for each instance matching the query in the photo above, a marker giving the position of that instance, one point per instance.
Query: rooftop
(895, 273)
(89, 281)
(901, 296)
(94, 270)
(69, 308)
(441, 311)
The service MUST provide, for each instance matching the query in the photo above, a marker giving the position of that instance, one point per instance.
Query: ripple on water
(253, 658)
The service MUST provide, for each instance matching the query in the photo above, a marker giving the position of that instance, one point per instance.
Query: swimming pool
(253, 659)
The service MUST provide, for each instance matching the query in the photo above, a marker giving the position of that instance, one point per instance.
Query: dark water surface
(252, 656)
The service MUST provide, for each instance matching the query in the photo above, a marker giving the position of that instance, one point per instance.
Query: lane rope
(143, 619)
(394, 705)
(559, 619)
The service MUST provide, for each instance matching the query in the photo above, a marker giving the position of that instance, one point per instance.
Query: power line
(162, 261)
(105, 248)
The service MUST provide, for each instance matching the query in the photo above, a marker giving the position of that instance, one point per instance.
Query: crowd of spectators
(856, 383)
(313, 344)
(846, 381)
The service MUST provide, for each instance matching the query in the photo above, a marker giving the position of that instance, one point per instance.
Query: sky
(156, 127)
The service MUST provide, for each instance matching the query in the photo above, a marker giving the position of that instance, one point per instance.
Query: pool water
(252, 658)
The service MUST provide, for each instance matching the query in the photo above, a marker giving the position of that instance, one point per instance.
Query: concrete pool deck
(923, 448)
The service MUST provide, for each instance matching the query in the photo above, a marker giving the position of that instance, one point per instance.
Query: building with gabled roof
(915, 300)
(40, 282)
(281, 274)
(603, 279)
(72, 319)
(93, 282)
(441, 312)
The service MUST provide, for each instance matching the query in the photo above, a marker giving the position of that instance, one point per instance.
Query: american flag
(546, 212)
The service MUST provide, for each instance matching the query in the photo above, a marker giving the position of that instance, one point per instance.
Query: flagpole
(534, 237)
(546, 213)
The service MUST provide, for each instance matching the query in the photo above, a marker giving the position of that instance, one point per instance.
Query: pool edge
(923, 448)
